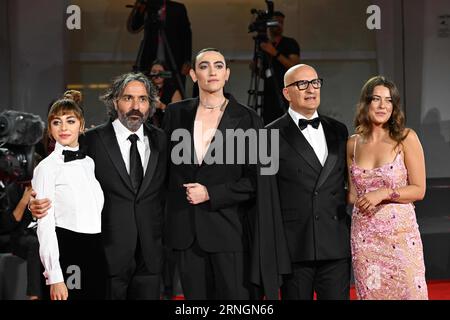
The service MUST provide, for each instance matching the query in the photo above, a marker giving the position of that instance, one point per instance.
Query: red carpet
(437, 290)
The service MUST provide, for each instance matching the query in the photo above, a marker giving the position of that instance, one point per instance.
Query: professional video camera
(161, 74)
(263, 19)
(19, 132)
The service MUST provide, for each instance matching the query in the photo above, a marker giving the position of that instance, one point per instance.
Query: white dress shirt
(77, 202)
(143, 145)
(315, 137)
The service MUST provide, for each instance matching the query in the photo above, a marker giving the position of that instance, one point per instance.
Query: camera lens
(4, 126)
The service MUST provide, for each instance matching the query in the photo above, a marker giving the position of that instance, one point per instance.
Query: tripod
(263, 71)
(255, 95)
(158, 26)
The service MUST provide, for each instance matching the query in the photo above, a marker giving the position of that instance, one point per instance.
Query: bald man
(311, 185)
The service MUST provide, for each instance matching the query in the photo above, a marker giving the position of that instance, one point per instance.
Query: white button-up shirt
(143, 145)
(315, 137)
(77, 203)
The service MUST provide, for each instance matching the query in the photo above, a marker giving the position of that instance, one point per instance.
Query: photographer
(281, 53)
(17, 220)
(167, 36)
(167, 91)
(19, 133)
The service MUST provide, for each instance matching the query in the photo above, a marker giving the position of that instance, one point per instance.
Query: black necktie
(73, 155)
(303, 123)
(136, 170)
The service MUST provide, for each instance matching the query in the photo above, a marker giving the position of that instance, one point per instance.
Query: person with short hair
(311, 182)
(70, 243)
(210, 217)
(130, 158)
(282, 53)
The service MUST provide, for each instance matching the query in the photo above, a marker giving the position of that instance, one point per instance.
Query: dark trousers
(26, 246)
(134, 282)
(330, 279)
(82, 261)
(169, 274)
(207, 276)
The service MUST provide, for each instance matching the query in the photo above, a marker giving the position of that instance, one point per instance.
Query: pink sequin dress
(386, 247)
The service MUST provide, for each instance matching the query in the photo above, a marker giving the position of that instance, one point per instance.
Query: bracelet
(277, 55)
(33, 218)
(394, 195)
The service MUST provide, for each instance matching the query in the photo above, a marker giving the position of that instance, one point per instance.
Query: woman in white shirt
(69, 235)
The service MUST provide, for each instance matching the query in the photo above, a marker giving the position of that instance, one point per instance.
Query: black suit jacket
(231, 220)
(178, 32)
(218, 225)
(313, 198)
(128, 217)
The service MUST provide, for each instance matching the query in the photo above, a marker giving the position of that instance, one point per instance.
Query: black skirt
(82, 260)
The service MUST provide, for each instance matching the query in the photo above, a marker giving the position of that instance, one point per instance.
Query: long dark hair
(395, 124)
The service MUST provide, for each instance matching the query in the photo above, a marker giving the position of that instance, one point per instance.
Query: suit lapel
(231, 116)
(187, 122)
(152, 161)
(109, 139)
(229, 121)
(332, 145)
(292, 134)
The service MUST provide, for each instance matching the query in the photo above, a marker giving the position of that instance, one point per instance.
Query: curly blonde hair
(395, 124)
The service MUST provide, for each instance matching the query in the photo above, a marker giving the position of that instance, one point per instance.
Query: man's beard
(133, 119)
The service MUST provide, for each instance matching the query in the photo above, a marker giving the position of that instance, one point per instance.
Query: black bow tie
(303, 123)
(73, 155)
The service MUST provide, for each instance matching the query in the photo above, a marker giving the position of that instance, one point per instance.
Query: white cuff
(54, 276)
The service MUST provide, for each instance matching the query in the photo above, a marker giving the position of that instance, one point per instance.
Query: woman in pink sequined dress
(386, 175)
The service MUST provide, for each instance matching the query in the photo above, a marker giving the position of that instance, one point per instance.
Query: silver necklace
(221, 106)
